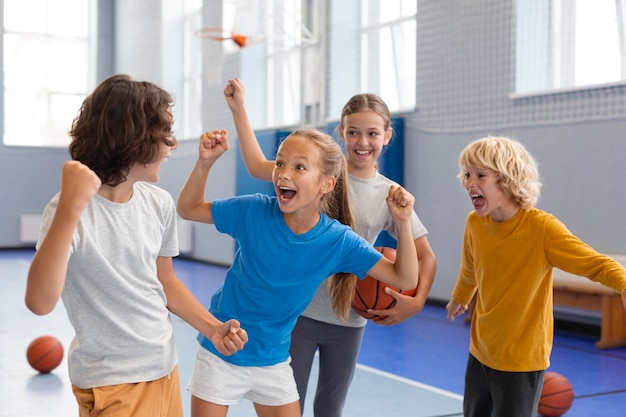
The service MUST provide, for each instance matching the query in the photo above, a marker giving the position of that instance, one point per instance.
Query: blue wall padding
(269, 141)
(280, 137)
(244, 183)
(391, 163)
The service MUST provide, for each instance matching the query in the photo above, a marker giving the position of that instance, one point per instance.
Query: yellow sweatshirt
(509, 267)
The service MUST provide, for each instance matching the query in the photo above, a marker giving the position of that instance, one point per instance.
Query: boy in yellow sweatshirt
(509, 250)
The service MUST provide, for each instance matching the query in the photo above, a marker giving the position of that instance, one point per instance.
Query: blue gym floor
(414, 369)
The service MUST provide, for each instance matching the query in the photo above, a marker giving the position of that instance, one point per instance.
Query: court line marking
(410, 382)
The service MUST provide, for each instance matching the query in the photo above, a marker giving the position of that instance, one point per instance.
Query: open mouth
(478, 201)
(286, 193)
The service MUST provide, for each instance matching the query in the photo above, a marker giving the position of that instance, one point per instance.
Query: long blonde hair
(335, 205)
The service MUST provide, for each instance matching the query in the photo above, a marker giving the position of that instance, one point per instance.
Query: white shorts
(223, 383)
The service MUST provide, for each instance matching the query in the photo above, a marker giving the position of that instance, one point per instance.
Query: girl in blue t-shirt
(286, 247)
(365, 129)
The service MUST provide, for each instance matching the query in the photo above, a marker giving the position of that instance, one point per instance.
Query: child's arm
(46, 276)
(227, 338)
(404, 272)
(252, 154)
(407, 306)
(191, 204)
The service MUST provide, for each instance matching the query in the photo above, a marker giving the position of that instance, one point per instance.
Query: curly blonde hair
(515, 167)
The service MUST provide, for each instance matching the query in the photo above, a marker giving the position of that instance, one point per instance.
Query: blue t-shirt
(275, 273)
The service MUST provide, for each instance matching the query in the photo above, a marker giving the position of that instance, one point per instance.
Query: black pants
(500, 394)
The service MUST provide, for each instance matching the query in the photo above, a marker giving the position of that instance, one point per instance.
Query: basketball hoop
(219, 34)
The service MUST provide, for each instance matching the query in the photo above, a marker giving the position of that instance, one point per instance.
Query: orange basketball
(557, 395)
(370, 293)
(44, 353)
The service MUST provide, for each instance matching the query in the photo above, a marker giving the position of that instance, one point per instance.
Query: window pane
(24, 118)
(375, 12)
(67, 65)
(63, 109)
(190, 118)
(388, 51)
(68, 17)
(23, 68)
(274, 63)
(596, 25)
(407, 51)
(25, 15)
(567, 43)
(36, 119)
(46, 69)
(291, 94)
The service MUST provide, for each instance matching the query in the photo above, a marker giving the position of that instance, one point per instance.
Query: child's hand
(406, 306)
(213, 145)
(234, 93)
(230, 338)
(78, 184)
(455, 309)
(400, 203)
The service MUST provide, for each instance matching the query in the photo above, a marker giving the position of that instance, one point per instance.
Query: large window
(189, 112)
(48, 68)
(282, 50)
(388, 54)
(306, 58)
(372, 49)
(565, 44)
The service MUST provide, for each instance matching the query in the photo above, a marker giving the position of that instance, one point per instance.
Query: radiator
(29, 227)
(185, 235)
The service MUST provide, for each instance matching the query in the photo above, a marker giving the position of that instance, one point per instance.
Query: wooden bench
(581, 293)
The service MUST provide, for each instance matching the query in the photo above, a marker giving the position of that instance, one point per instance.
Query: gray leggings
(489, 392)
(338, 351)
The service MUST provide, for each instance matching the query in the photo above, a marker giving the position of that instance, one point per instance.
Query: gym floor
(416, 367)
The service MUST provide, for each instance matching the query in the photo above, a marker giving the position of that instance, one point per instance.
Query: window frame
(350, 42)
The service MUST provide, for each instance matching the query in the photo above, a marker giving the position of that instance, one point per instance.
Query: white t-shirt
(112, 295)
(371, 216)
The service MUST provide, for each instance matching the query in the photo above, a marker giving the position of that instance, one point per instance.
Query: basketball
(557, 395)
(44, 353)
(370, 293)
